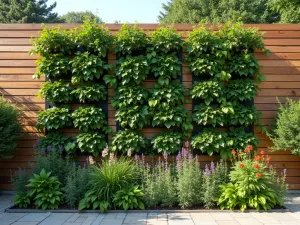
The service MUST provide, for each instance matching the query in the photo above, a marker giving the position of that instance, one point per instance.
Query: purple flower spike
(178, 157)
(184, 153)
(190, 158)
(43, 151)
(49, 148)
(187, 144)
(207, 171)
(136, 157)
(212, 166)
(284, 171)
(38, 140)
(165, 155)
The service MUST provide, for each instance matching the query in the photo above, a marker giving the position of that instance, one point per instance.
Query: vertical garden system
(225, 81)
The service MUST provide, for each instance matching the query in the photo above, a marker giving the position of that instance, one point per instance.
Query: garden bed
(13, 209)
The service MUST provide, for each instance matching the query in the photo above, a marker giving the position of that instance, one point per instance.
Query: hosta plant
(129, 96)
(244, 65)
(91, 142)
(211, 141)
(45, 190)
(165, 67)
(87, 67)
(53, 40)
(93, 37)
(239, 139)
(168, 142)
(57, 91)
(130, 39)
(130, 198)
(128, 140)
(54, 118)
(174, 93)
(165, 40)
(53, 67)
(89, 118)
(134, 117)
(90, 93)
(22, 200)
(91, 201)
(211, 115)
(55, 140)
(243, 115)
(132, 70)
(208, 91)
(170, 116)
(241, 90)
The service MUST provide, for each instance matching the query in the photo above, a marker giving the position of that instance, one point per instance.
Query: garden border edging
(11, 210)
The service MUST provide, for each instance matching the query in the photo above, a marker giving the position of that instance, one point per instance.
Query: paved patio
(288, 218)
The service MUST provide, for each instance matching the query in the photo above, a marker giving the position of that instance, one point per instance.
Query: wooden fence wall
(281, 67)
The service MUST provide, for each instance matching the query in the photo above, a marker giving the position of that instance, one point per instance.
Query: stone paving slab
(154, 218)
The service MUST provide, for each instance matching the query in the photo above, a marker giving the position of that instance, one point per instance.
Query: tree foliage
(289, 10)
(217, 11)
(27, 11)
(79, 17)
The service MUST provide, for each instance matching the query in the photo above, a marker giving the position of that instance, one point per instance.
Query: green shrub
(22, 200)
(131, 198)
(53, 67)
(54, 118)
(132, 70)
(19, 181)
(10, 128)
(190, 180)
(55, 140)
(87, 67)
(165, 67)
(174, 93)
(134, 117)
(129, 96)
(130, 39)
(89, 118)
(91, 142)
(45, 190)
(57, 91)
(208, 91)
(90, 92)
(90, 200)
(93, 37)
(53, 40)
(77, 184)
(128, 140)
(167, 142)
(284, 134)
(165, 40)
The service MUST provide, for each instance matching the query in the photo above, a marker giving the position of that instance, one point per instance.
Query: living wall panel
(281, 67)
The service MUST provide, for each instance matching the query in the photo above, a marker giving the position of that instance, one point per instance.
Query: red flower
(268, 158)
(256, 166)
(246, 150)
(233, 152)
(258, 175)
(262, 152)
(257, 158)
(250, 147)
(242, 165)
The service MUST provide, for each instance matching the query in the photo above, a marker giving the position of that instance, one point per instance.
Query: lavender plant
(158, 183)
(190, 178)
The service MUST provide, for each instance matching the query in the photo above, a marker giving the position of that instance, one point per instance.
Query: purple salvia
(187, 144)
(49, 148)
(184, 153)
(212, 166)
(34, 146)
(178, 157)
(165, 155)
(43, 151)
(190, 158)
(207, 171)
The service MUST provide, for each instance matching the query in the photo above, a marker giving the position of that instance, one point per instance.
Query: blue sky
(142, 11)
